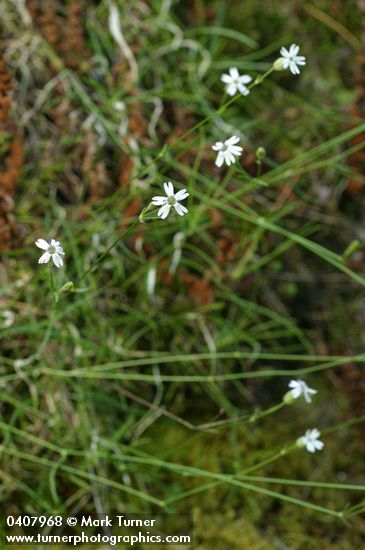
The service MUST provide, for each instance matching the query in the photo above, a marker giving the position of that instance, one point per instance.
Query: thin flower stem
(106, 252)
(285, 450)
(106, 371)
(231, 480)
(261, 78)
(227, 178)
(301, 483)
(259, 168)
(241, 420)
(169, 148)
(248, 178)
(53, 288)
(48, 333)
(201, 123)
(257, 416)
(186, 134)
(345, 424)
(258, 80)
(52, 317)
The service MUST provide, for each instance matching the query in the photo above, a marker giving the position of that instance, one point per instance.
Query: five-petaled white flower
(236, 82)
(52, 250)
(310, 440)
(290, 59)
(171, 200)
(227, 151)
(299, 387)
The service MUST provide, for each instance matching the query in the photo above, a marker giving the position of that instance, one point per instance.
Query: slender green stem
(259, 169)
(169, 148)
(53, 286)
(258, 80)
(51, 278)
(247, 419)
(257, 416)
(231, 480)
(109, 249)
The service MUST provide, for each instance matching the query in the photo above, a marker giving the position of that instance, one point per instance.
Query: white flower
(299, 387)
(52, 250)
(227, 151)
(171, 200)
(310, 440)
(236, 82)
(290, 59)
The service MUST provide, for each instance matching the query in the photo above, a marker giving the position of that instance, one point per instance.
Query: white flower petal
(234, 73)
(57, 260)
(181, 195)
(226, 78)
(296, 390)
(158, 201)
(169, 189)
(180, 209)
(44, 258)
(300, 60)
(299, 387)
(293, 68)
(244, 91)
(164, 211)
(219, 160)
(231, 88)
(41, 243)
(172, 199)
(232, 140)
(311, 440)
(228, 151)
(291, 59)
(293, 50)
(245, 79)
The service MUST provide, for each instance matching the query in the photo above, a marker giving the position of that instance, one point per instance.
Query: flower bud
(289, 398)
(260, 154)
(144, 217)
(278, 64)
(67, 287)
